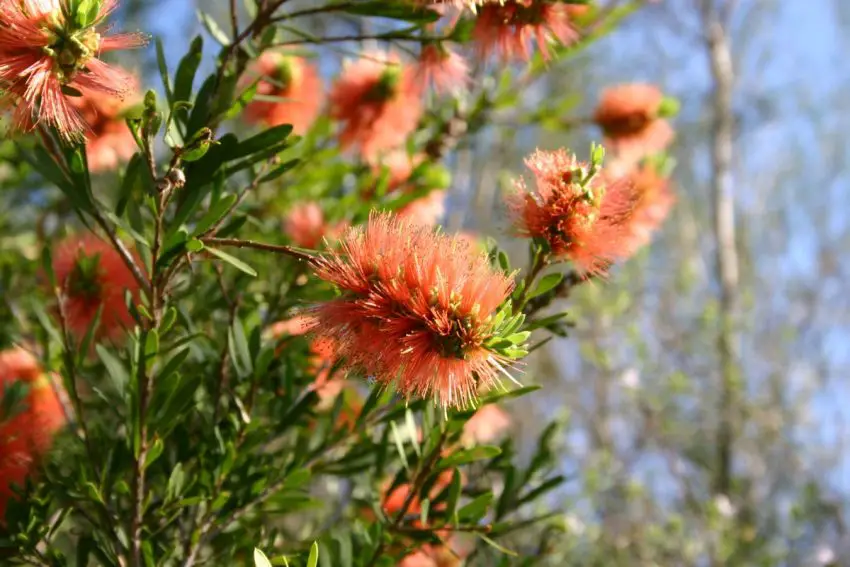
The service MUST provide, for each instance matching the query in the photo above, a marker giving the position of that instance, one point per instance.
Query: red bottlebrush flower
(91, 274)
(378, 102)
(433, 556)
(653, 200)
(322, 356)
(415, 309)
(290, 78)
(108, 139)
(395, 499)
(441, 67)
(399, 166)
(426, 211)
(488, 423)
(28, 434)
(509, 29)
(582, 220)
(45, 49)
(629, 116)
(305, 225)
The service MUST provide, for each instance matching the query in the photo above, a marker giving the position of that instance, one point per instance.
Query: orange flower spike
(631, 117)
(582, 218)
(28, 434)
(295, 82)
(378, 103)
(414, 310)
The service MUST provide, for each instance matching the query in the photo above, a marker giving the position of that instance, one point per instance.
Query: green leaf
(261, 141)
(163, 71)
(313, 559)
(176, 481)
(114, 367)
(194, 245)
(187, 69)
(215, 214)
(400, 11)
(476, 509)
(214, 29)
(470, 455)
(518, 338)
(235, 262)
(260, 559)
(495, 545)
(154, 452)
(499, 396)
(173, 364)
(546, 283)
(279, 170)
(132, 179)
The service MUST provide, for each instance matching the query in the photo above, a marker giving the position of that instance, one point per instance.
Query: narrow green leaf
(187, 69)
(216, 212)
(260, 559)
(115, 368)
(163, 71)
(476, 509)
(154, 452)
(261, 141)
(279, 170)
(470, 455)
(235, 262)
(214, 29)
(313, 559)
(546, 283)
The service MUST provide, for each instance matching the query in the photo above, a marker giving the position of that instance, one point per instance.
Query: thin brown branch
(276, 248)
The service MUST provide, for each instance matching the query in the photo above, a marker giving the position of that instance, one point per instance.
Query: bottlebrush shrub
(265, 350)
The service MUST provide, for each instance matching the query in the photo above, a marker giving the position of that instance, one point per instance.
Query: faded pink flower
(488, 423)
(305, 225)
(629, 116)
(441, 67)
(109, 141)
(509, 29)
(295, 82)
(45, 50)
(426, 211)
(377, 102)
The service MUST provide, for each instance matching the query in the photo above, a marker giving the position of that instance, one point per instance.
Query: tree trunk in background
(715, 17)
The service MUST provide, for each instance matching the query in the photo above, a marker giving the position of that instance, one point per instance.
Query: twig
(277, 248)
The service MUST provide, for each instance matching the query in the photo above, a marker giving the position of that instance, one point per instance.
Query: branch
(276, 248)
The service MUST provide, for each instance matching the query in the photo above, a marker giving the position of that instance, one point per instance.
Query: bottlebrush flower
(581, 217)
(430, 555)
(509, 29)
(305, 225)
(426, 211)
(92, 275)
(108, 139)
(441, 67)
(47, 50)
(290, 78)
(653, 200)
(399, 166)
(394, 500)
(488, 423)
(322, 356)
(377, 101)
(415, 310)
(630, 116)
(28, 434)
